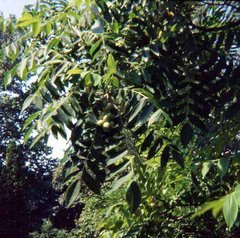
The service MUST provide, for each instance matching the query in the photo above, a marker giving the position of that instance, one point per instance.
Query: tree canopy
(149, 91)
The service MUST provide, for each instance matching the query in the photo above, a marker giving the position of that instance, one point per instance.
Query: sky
(16, 7)
(13, 6)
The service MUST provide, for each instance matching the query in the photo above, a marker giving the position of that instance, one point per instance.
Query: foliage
(48, 231)
(27, 195)
(150, 93)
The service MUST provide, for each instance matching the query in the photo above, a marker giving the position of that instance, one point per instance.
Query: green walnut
(108, 117)
(106, 126)
(110, 106)
(100, 122)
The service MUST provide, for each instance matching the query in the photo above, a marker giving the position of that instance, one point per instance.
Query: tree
(144, 86)
(27, 195)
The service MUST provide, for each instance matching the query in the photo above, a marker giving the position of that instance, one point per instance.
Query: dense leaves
(148, 91)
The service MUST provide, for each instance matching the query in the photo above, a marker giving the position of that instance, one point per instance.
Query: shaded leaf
(147, 141)
(178, 158)
(91, 183)
(198, 123)
(232, 110)
(72, 192)
(154, 148)
(229, 40)
(223, 165)
(186, 134)
(133, 196)
(165, 156)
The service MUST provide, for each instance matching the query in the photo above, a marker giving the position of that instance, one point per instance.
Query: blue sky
(13, 6)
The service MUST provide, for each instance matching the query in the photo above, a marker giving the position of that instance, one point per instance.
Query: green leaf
(122, 167)
(155, 50)
(107, 76)
(96, 79)
(117, 157)
(22, 69)
(115, 82)
(7, 51)
(36, 28)
(54, 92)
(147, 141)
(37, 138)
(155, 117)
(111, 63)
(223, 165)
(91, 183)
(74, 71)
(138, 108)
(28, 101)
(230, 210)
(72, 192)
(48, 28)
(95, 47)
(218, 206)
(62, 131)
(67, 108)
(28, 133)
(153, 100)
(7, 79)
(154, 148)
(38, 102)
(98, 171)
(237, 194)
(54, 130)
(30, 119)
(26, 20)
(133, 196)
(120, 181)
(71, 176)
(144, 115)
(178, 158)
(215, 206)
(51, 44)
(186, 134)
(87, 80)
(165, 156)
(205, 168)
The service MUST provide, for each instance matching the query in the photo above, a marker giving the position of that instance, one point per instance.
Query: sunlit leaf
(230, 210)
